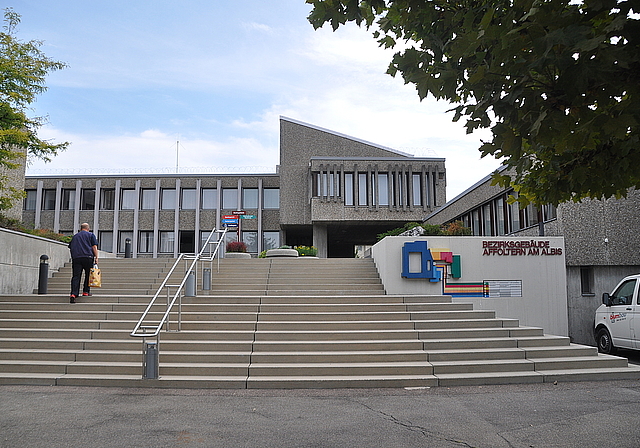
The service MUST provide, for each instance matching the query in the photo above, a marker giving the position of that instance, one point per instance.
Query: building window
(251, 240)
(105, 241)
(124, 234)
(514, 211)
(229, 237)
(270, 240)
(348, 189)
(229, 198)
(87, 199)
(167, 242)
(148, 199)
(271, 198)
(209, 198)
(49, 200)
(188, 200)
(475, 221)
(500, 221)
(487, 227)
(586, 281)
(145, 244)
(381, 185)
(68, 199)
(249, 198)
(204, 234)
(30, 200)
(549, 212)
(168, 199)
(417, 189)
(362, 189)
(128, 201)
(108, 199)
(187, 242)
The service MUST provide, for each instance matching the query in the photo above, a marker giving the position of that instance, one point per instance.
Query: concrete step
(341, 369)
(259, 328)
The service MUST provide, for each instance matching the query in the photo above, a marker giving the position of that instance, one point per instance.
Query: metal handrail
(178, 294)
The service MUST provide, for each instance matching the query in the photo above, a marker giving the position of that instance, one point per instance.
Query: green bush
(17, 226)
(455, 228)
(308, 251)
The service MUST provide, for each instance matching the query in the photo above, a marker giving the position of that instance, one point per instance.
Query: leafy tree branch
(557, 82)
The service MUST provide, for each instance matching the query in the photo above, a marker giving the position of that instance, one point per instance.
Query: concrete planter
(236, 255)
(282, 253)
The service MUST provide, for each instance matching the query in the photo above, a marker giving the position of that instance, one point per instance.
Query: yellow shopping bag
(95, 277)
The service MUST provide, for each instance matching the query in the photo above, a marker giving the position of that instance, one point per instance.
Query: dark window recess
(586, 284)
(187, 242)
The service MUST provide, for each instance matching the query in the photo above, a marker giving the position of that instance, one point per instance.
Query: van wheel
(603, 339)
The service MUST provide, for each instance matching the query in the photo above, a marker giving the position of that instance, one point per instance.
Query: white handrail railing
(141, 330)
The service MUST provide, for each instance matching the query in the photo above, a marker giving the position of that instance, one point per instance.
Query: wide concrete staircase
(279, 323)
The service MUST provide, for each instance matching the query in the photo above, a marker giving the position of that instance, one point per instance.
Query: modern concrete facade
(331, 191)
(337, 191)
(13, 178)
(602, 243)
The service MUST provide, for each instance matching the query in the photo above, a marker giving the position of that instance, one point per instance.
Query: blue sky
(216, 76)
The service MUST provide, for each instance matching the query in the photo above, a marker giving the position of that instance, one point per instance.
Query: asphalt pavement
(580, 414)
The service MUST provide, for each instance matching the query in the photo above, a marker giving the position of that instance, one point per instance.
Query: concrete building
(13, 180)
(330, 190)
(602, 243)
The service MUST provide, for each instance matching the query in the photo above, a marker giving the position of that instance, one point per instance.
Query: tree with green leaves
(23, 68)
(557, 81)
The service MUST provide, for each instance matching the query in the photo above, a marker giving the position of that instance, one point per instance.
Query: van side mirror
(606, 299)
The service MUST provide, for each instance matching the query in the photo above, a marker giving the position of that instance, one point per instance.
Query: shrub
(309, 251)
(15, 225)
(236, 246)
(456, 228)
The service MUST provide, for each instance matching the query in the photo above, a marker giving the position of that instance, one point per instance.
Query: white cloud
(153, 150)
(333, 80)
(253, 26)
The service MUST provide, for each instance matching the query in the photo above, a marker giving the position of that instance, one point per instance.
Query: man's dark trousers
(78, 265)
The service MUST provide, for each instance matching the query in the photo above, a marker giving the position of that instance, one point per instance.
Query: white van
(617, 323)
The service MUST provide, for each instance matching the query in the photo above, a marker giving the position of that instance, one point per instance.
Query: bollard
(43, 277)
(127, 248)
(206, 279)
(150, 368)
(190, 286)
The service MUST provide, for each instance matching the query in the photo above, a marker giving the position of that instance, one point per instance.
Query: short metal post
(150, 367)
(190, 286)
(127, 248)
(43, 276)
(206, 279)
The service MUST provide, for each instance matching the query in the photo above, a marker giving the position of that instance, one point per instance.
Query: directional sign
(247, 216)
(239, 212)
(230, 221)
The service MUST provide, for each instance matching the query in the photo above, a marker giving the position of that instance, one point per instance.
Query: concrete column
(156, 220)
(136, 214)
(96, 208)
(56, 216)
(176, 220)
(116, 216)
(39, 205)
(320, 239)
(76, 207)
(196, 230)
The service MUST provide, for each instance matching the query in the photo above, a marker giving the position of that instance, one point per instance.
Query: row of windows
(498, 217)
(381, 189)
(170, 198)
(186, 242)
